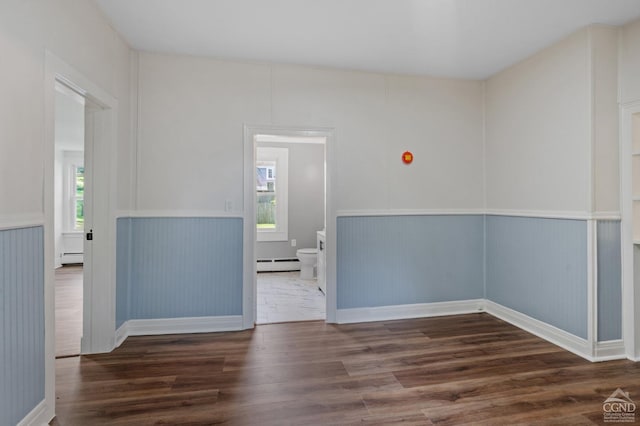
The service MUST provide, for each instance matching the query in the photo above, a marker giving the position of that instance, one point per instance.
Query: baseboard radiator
(71, 258)
(278, 265)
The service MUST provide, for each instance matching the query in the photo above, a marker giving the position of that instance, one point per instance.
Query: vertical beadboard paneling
(396, 260)
(123, 270)
(185, 267)
(21, 322)
(539, 267)
(609, 281)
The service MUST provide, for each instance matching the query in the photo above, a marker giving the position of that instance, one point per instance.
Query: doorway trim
(249, 229)
(630, 291)
(99, 306)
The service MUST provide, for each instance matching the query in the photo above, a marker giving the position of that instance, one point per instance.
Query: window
(266, 188)
(77, 198)
(72, 208)
(271, 193)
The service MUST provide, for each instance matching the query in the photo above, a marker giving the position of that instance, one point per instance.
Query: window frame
(72, 161)
(279, 156)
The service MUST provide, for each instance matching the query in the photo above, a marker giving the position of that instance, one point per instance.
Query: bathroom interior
(290, 222)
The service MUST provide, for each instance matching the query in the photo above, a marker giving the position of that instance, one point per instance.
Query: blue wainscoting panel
(123, 270)
(609, 281)
(539, 267)
(396, 260)
(185, 267)
(21, 323)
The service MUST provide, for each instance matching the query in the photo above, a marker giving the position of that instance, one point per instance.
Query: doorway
(98, 204)
(69, 212)
(290, 212)
(278, 137)
(630, 229)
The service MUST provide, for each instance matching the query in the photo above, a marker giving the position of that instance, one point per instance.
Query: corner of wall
(484, 188)
(134, 99)
(484, 144)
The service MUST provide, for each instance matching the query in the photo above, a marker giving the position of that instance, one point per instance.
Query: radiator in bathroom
(278, 265)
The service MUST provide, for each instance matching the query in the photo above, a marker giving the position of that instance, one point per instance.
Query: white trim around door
(630, 292)
(99, 320)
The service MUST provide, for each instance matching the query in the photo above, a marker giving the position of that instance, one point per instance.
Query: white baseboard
(37, 417)
(565, 340)
(610, 350)
(148, 327)
(121, 334)
(604, 351)
(419, 310)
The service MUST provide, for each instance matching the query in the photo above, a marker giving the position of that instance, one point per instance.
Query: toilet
(308, 258)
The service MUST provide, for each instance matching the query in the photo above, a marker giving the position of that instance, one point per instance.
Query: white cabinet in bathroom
(322, 262)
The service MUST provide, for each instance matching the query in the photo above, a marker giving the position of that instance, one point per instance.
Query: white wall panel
(352, 103)
(606, 156)
(538, 121)
(440, 121)
(190, 147)
(76, 32)
(192, 111)
(630, 62)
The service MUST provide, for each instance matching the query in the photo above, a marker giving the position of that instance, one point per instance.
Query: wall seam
(271, 94)
(484, 256)
(136, 129)
(130, 254)
(592, 122)
(484, 188)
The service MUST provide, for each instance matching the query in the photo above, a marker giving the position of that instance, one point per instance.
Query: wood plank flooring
(468, 369)
(68, 281)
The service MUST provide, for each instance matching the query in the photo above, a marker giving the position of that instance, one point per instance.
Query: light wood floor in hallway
(68, 281)
(469, 369)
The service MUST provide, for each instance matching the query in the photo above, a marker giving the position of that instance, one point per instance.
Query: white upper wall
(191, 116)
(630, 62)
(537, 131)
(189, 153)
(440, 121)
(552, 128)
(606, 155)
(192, 112)
(76, 32)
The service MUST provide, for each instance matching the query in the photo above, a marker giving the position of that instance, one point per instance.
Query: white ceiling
(451, 38)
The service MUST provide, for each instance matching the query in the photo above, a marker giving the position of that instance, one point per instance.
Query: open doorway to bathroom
(290, 221)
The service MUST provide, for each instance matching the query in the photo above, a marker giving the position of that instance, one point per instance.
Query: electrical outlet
(228, 206)
(293, 243)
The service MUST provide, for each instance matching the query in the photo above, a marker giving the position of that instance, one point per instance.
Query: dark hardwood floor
(469, 369)
(68, 281)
